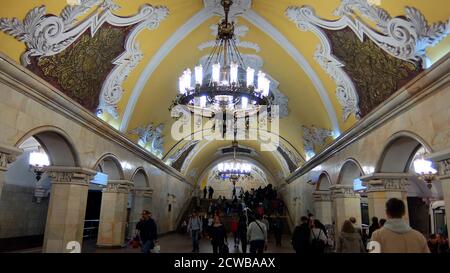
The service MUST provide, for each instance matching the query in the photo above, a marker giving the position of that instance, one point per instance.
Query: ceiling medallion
(223, 85)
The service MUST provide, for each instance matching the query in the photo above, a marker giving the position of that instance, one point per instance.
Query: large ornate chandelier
(225, 84)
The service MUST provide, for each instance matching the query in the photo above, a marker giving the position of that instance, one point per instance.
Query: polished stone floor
(180, 243)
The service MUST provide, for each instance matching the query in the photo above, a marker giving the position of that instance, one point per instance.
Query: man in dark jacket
(300, 237)
(147, 232)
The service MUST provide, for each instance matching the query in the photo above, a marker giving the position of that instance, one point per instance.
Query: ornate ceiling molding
(182, 152)
(199, 19)
(238, 8)
(405, 38)
(151, 138)
(314, 137)
(46, 35)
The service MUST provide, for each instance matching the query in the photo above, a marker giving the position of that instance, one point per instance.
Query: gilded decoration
(80, 70)
(375, 74)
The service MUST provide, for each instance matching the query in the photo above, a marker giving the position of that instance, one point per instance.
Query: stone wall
(422, 112)
(28, 105)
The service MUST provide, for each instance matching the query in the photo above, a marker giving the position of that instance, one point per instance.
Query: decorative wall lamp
(38, 161)
(425, 171)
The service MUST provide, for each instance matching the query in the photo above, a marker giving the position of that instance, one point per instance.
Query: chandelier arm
(240, 59)
(211, 56)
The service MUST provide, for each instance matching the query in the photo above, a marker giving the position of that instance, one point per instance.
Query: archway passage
(138, 200)
(29, 196)
(399, 156)
(223, 186)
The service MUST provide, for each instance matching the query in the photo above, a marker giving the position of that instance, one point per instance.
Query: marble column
(346, 203)
(113, 214)
(322, 207)
(383, 186)
(67, 208)
(142, 200)
(8, 154)
(443, 160)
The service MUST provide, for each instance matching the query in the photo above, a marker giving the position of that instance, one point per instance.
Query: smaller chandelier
(225, 84)
(234, 170)
(38, 161)
(425, 171)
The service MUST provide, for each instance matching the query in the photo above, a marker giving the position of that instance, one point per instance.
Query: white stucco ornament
(404, 37)
(46, 35)
(239, 7)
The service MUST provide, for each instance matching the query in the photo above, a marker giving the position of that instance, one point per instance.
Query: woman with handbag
(218, 236)
(257, 235)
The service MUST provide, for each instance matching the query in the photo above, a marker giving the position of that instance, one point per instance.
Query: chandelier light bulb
(187, 78)
(250, 76)
(199, 75)
(266, 87)
(203, 101)
(39, 159)
(234, 73)
(422, 166)
(244, 102)
(181, 87)
(216, 73)
(261, 81)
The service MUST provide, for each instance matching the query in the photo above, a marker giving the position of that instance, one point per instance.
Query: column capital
(119, 186)
(343, 191)
(378, 182)
(70, 175)
(8, 154)
(443, 160)
(143, 192)
(320, 196)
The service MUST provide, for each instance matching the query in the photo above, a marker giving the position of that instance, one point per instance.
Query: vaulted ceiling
(287, 52)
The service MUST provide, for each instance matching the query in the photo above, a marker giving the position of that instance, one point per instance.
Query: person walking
(318, 238)
(234, 230)
(242, 231)
(349, 240)
(278, 230)
(218, 236)
(147, 232)
(195, 228)
(211, 192)
(374, 226)
(205, 191)
(300, 237)
(257, 235)
(396, 236)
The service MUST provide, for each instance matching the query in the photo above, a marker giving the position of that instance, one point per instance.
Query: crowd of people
(249, 225)
(263, 200)
(391, 235)
(250, 229)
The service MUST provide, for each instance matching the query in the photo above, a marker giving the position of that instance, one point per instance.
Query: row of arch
(396, 157)
(62, 151)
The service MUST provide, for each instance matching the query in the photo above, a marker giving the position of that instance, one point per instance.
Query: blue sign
(100, 179)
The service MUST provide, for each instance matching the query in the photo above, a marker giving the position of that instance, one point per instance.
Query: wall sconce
(425, 171)
(38, 161)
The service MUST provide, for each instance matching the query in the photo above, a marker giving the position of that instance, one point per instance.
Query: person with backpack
(318, 238)
(195, 227)
(257, 235)
(300, 238)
